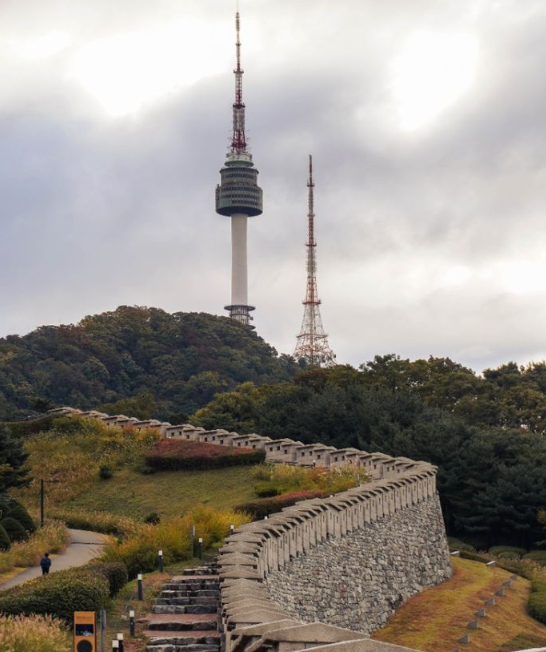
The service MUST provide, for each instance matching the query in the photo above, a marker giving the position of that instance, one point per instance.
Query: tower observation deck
(239, 197)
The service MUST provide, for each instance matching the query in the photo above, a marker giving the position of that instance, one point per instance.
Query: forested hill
(143, 360)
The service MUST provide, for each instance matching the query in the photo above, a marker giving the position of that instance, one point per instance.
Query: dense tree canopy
(12, 461)
(167, 365)
(482, 433)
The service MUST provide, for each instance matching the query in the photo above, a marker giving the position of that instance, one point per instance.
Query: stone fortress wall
(325, 572)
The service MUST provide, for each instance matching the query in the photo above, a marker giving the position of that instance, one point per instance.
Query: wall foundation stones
(359, 580)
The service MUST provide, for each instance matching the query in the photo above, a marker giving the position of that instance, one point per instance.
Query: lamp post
(42, 496)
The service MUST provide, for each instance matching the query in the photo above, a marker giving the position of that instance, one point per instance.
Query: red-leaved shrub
(176, 454)
(260, 508)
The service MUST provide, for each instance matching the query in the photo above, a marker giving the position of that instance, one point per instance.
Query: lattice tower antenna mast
(312, 342)
(238, 196)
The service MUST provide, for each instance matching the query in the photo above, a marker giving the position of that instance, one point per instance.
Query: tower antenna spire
(238, 195)
(312, 342)
(238, 140)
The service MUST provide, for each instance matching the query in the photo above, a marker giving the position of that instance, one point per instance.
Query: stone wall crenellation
(323, 573)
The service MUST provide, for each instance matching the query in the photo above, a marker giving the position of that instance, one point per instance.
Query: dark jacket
(45, 562)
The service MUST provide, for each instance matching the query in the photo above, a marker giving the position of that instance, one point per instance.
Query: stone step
(159, 637)
(169, 647)
(193, 585)
(181, 622)
(201, 593)
(184, 609)
(173, 599)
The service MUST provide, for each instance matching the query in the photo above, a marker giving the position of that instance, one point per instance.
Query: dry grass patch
(433, 620)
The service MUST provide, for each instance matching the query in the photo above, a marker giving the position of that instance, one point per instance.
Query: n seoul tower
(239, 197)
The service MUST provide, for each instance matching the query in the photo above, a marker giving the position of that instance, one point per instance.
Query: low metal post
(231, 529)
(139, 587)
(120, 642)
(115, 645)
(102, 628)
(41, 503)
(200, 548)
(160, 560)
(192, 537)
(131, 622)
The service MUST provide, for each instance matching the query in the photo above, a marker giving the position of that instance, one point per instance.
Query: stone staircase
(185, 617)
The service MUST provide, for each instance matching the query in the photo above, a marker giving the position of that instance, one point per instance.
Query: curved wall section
(345, 562)
(359, 580)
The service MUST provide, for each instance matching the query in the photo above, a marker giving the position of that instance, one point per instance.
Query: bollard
(115, 645)
(139, 587)
(265, 518)
(200, 548)
(102, 629)
(160, 560)
(231, 529)
(192, 537)
(131, 622)
(120, 642)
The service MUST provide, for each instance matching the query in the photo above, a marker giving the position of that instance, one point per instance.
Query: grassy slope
(433, 621)
(169, 493)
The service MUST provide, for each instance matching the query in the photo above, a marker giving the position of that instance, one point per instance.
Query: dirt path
(83, 547)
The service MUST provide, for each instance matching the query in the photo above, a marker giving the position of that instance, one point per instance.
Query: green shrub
(15, 530)
(457, 544)
(153, 518)
(538, 586)
(21, 515)
(266, 489)
(5, 541)
(266, 506)
(59, 594)
(536, 555)
(536, 606)
(507, 552)
(105, 472)
(474, 556)
(115, 572)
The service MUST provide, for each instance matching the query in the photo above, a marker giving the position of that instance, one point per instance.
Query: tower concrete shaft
(239, 197)
(312, 342)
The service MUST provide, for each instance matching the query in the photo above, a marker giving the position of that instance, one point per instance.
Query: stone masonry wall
(359, 580)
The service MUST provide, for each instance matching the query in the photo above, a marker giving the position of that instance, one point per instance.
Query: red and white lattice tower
(312, 345)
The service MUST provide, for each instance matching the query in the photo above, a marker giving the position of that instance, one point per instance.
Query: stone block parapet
(326, 572)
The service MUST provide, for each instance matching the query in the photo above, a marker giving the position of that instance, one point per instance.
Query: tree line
(484, 432)
(143, 361)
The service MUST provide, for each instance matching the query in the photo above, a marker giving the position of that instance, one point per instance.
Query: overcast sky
(426, 120)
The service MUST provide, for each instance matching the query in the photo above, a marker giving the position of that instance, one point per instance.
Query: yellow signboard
(84, 631)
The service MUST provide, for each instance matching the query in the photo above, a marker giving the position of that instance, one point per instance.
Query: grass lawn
(169, 493)
(433, 620)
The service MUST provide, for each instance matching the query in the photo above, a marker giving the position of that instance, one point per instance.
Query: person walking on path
(45, 563)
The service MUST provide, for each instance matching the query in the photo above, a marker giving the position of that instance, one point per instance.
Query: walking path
(83, 547)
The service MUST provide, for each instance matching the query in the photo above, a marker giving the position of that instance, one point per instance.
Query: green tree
(13, 472)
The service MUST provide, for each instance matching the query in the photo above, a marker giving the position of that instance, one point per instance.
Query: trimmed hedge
(536, 605)
(59, 594)
(474, 556)
(176, 455)
(21, 515)
(266, 506)
(5, 541)
(114, 571)
(507, 552)
(15, 530)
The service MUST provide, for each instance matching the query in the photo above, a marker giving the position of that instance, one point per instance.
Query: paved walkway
(83, 547)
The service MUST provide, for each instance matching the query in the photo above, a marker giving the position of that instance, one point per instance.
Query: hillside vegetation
(432, 621)
(138, 360)
(486, 435)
